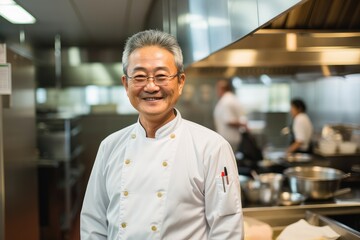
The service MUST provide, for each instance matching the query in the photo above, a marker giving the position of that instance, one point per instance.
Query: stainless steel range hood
(206, 26)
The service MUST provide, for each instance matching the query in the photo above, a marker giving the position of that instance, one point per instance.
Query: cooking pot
(265, 189)
(314, 182)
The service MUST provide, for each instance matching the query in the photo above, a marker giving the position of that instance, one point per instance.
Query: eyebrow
(146, 70)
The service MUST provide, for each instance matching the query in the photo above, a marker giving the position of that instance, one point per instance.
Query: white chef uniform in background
(164, 187)
(303, 130)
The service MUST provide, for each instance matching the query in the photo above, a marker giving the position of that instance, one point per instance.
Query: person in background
(162, 177)
(301, 129)
(228, 114)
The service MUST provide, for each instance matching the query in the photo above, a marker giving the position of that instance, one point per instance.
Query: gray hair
(153, 38)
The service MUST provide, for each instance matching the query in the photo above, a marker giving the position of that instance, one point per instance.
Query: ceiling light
(14, 13)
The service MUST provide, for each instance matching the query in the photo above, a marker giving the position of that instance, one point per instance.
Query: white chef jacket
(167, 187)
(303, 130)
(228, 109)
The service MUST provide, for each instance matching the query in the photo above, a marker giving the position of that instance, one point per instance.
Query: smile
(152, 98)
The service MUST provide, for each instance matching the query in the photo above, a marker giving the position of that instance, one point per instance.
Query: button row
(153, 227)
(158, 194)
(128, 161)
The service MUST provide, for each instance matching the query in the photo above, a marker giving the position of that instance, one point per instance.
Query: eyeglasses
(159, 80)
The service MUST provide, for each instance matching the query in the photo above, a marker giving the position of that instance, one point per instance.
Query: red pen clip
(222, 178)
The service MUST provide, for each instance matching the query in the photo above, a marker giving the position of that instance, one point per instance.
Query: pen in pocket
(222, 177)
(226, 175)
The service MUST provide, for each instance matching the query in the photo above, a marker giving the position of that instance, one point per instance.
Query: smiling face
(154, 103)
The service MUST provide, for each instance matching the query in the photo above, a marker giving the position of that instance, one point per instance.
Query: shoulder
(302, 117)
(117, 137)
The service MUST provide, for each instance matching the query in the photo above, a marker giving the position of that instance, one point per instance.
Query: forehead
(151, 56)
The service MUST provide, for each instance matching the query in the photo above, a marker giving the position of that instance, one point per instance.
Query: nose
(151, 86)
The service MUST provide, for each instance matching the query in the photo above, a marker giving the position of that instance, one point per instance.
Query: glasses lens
(159, 80)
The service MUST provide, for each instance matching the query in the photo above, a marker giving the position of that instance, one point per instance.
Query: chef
(163, 177)
(301, 128)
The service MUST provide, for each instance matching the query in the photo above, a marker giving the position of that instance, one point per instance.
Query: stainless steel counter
(278, 217)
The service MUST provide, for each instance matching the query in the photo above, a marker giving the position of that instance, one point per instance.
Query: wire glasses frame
(159, 80)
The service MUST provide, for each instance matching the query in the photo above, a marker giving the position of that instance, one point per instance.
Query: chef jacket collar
(165, 130)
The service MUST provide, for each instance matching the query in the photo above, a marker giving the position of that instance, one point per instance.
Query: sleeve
(223, 201)
(93, 223)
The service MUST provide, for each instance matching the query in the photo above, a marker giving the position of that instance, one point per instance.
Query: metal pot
(271, 185)
(264, 190)
(314, 182)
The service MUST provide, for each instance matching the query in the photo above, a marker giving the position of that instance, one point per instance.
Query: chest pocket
(229, 202)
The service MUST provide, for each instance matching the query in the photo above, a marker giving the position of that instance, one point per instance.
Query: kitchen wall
(330, 99)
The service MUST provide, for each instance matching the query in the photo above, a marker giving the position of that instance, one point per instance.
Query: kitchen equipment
(289, 198)
(327, 147)
(346, 224)
(314, 182)
(298, 157)
(19, 203)
(255, 175)
(347, 147)
(243, 181)
(270, 187)
(251, 190)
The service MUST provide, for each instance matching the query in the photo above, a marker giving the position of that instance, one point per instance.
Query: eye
(161, 77)
(139, 78)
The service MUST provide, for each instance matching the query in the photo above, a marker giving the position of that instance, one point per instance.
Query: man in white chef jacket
(163, 177)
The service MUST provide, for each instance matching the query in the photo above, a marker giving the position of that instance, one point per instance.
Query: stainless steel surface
(345, 231)
(199, 24)
(58, 138)
(2, 174)
(313, 181)
(18, 178)
(289, 198)
(310, 35)
(251, 191)
(298, 157)
(312, 48)
(278, 217)
(271, 185)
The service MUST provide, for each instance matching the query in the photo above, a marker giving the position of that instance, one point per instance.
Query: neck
(152, 124)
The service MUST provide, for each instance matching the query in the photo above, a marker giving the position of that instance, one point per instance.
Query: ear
(182, 78)
(124, 82)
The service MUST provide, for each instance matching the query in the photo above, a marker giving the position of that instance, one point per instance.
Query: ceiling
(79, 22)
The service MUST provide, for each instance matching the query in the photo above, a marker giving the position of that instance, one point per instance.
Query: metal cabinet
(61, 182)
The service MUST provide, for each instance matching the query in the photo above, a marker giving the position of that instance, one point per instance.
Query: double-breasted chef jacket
(167, 187)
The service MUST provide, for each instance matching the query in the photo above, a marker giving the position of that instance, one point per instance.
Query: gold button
(154, 228)
(133, 136)
(127, 161)
(172, 135)
(164, 164)
(159, 194)
(123, 225)
(126, 193)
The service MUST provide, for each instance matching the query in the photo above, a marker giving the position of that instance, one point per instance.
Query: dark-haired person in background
(301, 128)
